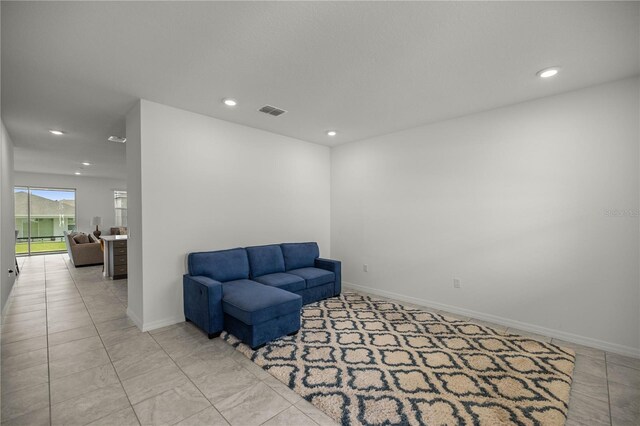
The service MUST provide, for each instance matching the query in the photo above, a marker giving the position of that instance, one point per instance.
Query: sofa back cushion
(223, 265)
(265, 260)
(299, 255)
(81, 239)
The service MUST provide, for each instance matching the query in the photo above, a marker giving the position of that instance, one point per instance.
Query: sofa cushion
(254, 303)
(223, 265)
(265, 260)
(81, 239)
(299, 255)
(288, 282)
(314, 276)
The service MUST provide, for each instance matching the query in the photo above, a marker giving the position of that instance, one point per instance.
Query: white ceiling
(364, 69)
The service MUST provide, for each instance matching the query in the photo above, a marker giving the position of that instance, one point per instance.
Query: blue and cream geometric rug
(365, 361)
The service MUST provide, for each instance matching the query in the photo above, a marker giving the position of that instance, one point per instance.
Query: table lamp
(96, 221)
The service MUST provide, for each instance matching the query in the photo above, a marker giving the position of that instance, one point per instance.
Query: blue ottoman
(257, 313)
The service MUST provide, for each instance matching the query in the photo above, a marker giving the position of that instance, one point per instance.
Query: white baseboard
(148, 326)
(133, 317)
(558, 334)
(162, 323)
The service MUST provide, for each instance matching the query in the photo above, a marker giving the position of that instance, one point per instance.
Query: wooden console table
(115, 256)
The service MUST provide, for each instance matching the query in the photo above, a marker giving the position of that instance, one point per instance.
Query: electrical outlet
(456, 283)
(365, 267)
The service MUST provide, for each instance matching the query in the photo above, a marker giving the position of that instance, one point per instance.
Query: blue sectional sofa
(256, 293)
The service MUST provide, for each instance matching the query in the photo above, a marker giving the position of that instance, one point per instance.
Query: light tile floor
(71, 356)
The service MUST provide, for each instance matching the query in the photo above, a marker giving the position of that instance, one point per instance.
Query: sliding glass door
(42, 215)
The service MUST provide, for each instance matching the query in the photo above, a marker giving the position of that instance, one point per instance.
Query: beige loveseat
(84, 254)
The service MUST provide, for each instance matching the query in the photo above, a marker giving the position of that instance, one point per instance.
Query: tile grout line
(202, 393)
(46, 321)
(195, 414)
(606, 374)
(4, 324)
(188, 378)
(270, 387)
(280, 412)
(163, 350)
(36, 385)
(103, 346)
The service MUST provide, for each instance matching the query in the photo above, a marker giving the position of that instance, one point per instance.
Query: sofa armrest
(334, 266)
(203, 302)
(87, 254)
(86, 248)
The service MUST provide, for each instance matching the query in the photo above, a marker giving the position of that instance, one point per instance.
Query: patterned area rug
(365, 361)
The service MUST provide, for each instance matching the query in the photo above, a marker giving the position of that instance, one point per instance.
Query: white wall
(7, 223)
(135, 306)
(94, 196)
(209, 184)
(511, 201)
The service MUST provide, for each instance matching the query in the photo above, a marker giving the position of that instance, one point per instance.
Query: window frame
(118, 219)
(29, 219)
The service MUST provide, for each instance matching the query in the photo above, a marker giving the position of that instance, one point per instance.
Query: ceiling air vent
(116, 139)
(271, 110)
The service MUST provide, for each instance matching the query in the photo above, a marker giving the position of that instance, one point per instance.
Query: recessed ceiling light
(548, 72)
(77, 173)
(116, 139)
(56, 132)
(229, 102)
(86, 164)
(332, 133)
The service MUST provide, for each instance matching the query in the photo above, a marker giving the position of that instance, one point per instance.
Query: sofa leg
(255, 348)
(187, 320)
(212, 335)
(293, 333)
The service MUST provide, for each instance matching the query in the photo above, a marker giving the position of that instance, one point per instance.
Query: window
(41, 216)
(120, 203)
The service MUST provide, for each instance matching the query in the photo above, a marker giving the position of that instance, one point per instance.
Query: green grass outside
(40, 247)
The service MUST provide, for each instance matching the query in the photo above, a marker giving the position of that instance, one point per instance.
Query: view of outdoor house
(42, 216)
